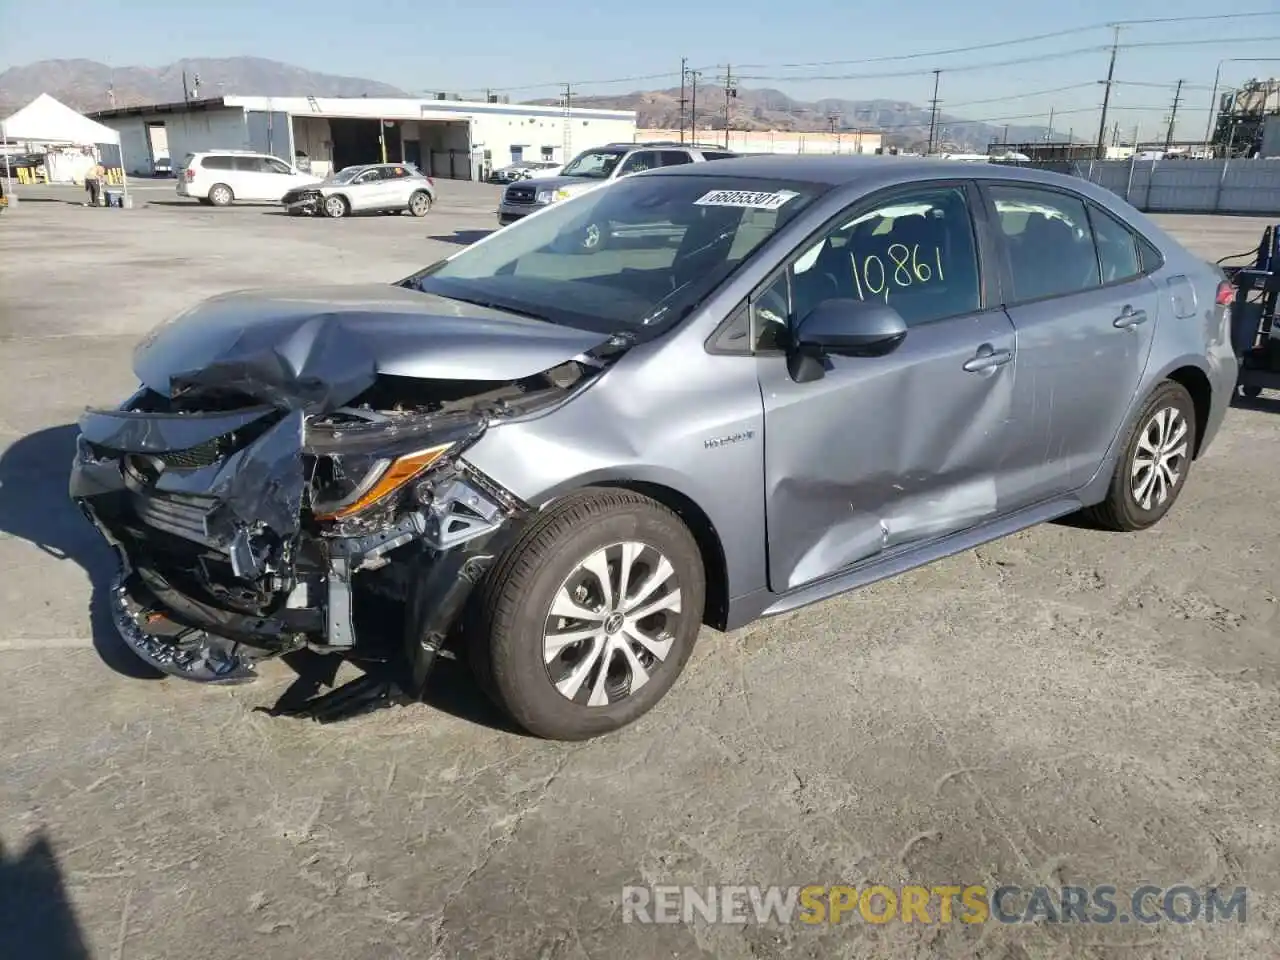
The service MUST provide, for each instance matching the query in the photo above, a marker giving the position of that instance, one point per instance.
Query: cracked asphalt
(1061, 707)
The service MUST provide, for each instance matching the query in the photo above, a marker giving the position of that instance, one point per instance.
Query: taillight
(1226, 294)
(191, 174)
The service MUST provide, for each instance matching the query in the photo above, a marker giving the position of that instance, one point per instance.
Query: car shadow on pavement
(36, 916)
(463, 238)
(35, 506)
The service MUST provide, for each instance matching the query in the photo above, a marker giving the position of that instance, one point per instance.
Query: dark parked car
(567, 463)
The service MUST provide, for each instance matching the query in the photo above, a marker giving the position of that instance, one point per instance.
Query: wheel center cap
(613, 623)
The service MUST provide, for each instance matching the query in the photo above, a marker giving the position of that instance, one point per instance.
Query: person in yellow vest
(93, 182)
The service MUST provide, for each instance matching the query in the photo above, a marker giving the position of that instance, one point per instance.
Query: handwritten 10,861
(905, 269)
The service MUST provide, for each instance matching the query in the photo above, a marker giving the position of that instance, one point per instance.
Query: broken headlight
(347, 484)
(366, 460)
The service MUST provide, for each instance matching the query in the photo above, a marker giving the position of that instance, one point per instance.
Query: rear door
(1085, 313)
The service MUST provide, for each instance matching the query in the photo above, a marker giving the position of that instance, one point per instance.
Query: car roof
(872, 171)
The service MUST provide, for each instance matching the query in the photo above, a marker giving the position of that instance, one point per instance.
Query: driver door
(884, 453)
(366, 190)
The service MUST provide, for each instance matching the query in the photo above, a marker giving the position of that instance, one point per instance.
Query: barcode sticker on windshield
(746, 199)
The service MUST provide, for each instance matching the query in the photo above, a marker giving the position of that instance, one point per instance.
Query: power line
(991, 65)
(1016, 41)
(1026, 96)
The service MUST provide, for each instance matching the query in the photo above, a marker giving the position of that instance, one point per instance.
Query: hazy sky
(525, 47)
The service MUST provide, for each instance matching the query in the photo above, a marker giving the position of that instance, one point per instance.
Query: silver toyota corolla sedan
(561, 464)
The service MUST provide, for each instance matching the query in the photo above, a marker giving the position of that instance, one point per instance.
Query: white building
(453, 139)
(778, 141)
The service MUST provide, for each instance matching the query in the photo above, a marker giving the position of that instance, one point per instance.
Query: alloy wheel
(612, 623)
(1159, 459)
(335, 207)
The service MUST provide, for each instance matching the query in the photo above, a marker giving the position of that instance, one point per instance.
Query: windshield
(597, 164)
(636, 255)
(348, 174)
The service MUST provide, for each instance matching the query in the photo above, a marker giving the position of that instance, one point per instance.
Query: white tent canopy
(47, 120)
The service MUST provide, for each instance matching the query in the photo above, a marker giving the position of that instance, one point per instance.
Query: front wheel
(1154, 464)
(336, 207)
(220, 195)
(589, 619)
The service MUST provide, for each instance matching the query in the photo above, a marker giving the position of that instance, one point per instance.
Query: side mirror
(843, 328)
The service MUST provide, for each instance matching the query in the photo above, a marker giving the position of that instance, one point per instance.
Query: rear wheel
(420, 204)
(1153, 467)
(590, 617)
(336, 207)
(220, 195)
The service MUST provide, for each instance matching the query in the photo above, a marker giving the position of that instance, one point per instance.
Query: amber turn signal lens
(393, 478)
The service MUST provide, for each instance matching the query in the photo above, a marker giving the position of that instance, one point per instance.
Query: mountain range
(88, 85)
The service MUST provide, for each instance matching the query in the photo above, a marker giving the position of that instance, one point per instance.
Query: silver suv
(599, 165)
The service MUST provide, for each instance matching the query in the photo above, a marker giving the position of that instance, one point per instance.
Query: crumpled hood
(319, 348)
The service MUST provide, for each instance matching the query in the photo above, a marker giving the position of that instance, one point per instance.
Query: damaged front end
(247, 529)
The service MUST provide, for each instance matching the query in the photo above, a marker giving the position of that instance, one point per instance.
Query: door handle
(987, 358)
(1129, 317)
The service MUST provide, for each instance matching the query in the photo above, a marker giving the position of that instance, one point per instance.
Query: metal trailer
(1255, 335)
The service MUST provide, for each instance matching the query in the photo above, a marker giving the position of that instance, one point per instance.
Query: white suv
(220, 177)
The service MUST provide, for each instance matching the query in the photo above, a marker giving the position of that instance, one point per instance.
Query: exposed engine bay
(258, 508)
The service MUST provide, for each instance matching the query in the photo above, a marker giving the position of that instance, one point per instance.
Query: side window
(1049, 242)
(640, 160)
(915, 252)
(369, 176)
(272, 165)
(394, 173)
(673, 158)
(216, 163)
(248, 164)
(716, 155)
(1117, 247)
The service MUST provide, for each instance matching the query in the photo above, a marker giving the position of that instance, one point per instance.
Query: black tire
(1251, 391)
(511, 609)
(420, 203)
(221, 195)
(204, 201)
(1122, 509)
(335, 207)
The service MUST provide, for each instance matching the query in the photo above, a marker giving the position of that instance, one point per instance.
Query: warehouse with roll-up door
(444, 137)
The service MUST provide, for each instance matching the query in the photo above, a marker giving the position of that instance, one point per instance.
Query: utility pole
(567, 147)
(1048, 137)
(933, 111)
(1173, 117)
(693, 104)
(684, 74)
(730, 92)
(1106, 96)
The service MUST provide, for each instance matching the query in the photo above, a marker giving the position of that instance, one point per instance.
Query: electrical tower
(693, 104)
(1100, 149)
(1173, 117)
(933, 110)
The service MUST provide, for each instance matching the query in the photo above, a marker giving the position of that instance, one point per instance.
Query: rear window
(215, 162)
(716, 155)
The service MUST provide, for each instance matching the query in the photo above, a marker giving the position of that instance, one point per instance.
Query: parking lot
(1063, 707)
